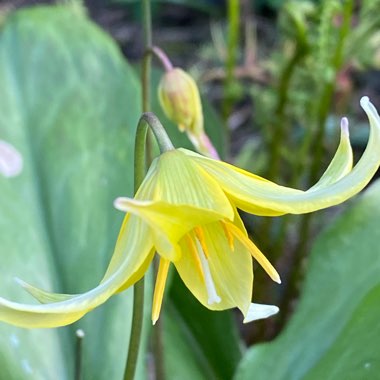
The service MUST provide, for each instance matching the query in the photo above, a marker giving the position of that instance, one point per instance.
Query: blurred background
(276, 77)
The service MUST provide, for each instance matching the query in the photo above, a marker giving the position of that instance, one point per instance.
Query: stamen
(210, 286)
(159, 288)
(229, 236)
(201, 237)
(194, 252)
(255, 252)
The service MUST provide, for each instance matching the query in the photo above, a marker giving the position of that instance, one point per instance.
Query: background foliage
(70, 101)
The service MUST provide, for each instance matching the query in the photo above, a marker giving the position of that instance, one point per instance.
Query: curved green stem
(162, 138)
(139, 173)
(135, 338)
(164, 143)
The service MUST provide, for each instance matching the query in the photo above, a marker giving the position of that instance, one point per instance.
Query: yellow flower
(186, 211)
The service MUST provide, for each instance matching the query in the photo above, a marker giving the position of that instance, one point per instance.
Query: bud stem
(161, 55)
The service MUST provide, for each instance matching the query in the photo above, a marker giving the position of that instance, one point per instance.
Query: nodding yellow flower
(186, 211)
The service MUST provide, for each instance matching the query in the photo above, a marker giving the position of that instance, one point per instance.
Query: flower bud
(180, 100)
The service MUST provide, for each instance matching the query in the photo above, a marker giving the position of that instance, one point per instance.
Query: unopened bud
(179, 98)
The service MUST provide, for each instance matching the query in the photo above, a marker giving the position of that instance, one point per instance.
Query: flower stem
(233, 16)
(164, 59)
(162, 138)
(139, 173)
(164, 143)
(146, 66)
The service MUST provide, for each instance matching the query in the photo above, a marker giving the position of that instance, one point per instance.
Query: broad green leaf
(200, 344)
(69, 103)
(355, 353)
(334, 332)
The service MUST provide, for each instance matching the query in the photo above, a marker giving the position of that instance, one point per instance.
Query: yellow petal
(169, 222)
(162, 275)
(257, 195)
(180, 181)
(341, 164)
(133, 247)
(230, 272)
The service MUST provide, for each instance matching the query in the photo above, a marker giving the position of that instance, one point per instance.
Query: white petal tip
(344, 127)
(364, 101)
(369, 108)
(20, 282)
(11, 161)
(119, 204)
(276, 277)
(154, 321)
(80, 334)
(260, 311)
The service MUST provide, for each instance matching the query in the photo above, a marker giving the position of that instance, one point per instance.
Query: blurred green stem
(139, 173)
(233, 18)
(147, 118)
(279, 131)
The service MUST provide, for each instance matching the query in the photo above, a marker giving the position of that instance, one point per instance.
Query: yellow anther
(201, 237)
(229, 235)
(255, 252)
(194, 252)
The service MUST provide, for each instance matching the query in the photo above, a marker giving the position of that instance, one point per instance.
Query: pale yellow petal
(256, 195)
(159, 289)
(181, 181)
(132, 248)
(230, 271)
(342, 162)
(168, 222)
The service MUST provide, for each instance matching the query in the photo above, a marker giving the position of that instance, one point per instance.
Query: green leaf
(334, 333)
(69, 104)
(354, 354)
(200, 344)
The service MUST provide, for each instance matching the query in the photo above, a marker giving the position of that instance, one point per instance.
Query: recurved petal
(133, 247)
(230, 270)
(257, 195)
(341, 164)
(168, 222)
